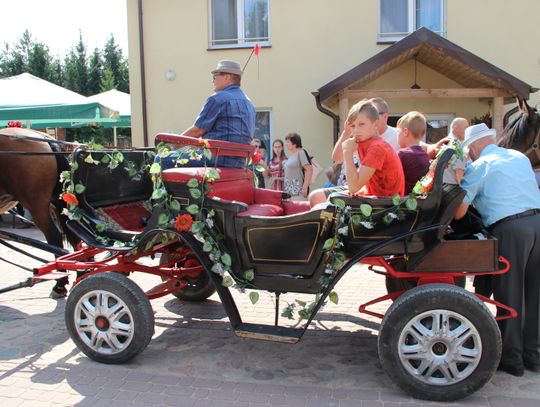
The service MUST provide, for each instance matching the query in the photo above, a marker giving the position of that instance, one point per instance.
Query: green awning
(38, 103)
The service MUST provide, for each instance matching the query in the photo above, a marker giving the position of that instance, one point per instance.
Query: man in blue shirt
(228, 115)
(501, 185)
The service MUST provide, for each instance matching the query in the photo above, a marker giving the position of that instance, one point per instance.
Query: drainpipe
(327, 112)
(143, 76)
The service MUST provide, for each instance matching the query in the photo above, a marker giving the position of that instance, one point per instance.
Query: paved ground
(194, 359)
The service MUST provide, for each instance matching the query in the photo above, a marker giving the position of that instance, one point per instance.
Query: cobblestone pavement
(195, 360)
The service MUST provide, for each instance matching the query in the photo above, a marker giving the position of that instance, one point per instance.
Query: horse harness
(43, 140)
(535, 146)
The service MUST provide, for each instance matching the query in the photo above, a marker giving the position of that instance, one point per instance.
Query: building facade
(308, 45)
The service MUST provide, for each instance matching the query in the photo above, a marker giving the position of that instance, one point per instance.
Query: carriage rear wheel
(401, 284)
(439, 342)
(109, 318)
(198, 288)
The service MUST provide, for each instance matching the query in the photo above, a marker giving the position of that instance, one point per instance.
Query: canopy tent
(38, 104)
(118, 101)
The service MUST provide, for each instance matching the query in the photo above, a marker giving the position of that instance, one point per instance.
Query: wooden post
(343, 110)
(498, 114)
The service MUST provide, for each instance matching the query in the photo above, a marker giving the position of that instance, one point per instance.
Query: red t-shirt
(388, 178)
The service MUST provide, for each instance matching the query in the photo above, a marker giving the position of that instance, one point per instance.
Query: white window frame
(411, 8)
(240, 41)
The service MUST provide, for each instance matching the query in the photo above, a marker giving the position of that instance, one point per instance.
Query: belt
(524, 214)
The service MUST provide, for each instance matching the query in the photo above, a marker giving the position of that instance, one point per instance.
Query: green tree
(76, 69)
(107, 81)
(14, 60)
(95, 72)
(114, 60)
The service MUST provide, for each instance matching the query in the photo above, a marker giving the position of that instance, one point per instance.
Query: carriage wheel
(109, 318)
(401, 284)
(198, 288)
(439, 342)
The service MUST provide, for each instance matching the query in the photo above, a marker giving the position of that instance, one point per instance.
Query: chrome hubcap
(104, 322)
(440, 347)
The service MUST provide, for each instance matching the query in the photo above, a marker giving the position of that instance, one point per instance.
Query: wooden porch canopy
(479, 78)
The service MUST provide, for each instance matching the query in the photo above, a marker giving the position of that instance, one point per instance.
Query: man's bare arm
(194, 132)
(462, 210)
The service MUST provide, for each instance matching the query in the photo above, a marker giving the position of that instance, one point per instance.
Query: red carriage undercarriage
(437, 340)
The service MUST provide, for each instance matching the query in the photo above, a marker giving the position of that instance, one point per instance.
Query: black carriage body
(282, 241)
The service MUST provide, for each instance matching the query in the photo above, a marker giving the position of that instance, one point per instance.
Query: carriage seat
(217, 147)
(438, 207)
(235, 185)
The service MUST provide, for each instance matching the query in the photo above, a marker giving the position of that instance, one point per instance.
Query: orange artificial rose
(70, 198)
(204, 143)
(183, 223)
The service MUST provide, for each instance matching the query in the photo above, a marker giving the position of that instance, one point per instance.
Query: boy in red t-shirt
(380, 173)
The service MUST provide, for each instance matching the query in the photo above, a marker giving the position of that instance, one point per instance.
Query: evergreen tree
(107, 81)
(14, 60)
(115, 61)
(76, 69)
(39, 61)
(95, 73)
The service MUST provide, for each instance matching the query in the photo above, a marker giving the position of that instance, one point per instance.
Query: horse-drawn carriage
(437, 340)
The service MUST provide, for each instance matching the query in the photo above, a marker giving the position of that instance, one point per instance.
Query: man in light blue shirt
(501, 185)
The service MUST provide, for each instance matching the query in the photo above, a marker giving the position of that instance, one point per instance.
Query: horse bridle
(535, 146)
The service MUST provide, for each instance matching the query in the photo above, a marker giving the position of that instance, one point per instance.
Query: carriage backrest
(105, 186)
(219, 148)
(432, 203)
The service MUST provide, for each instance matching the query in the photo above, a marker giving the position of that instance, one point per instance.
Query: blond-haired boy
(381, 173)
(414, 159)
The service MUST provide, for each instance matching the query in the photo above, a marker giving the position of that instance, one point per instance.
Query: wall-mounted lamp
(170, 75)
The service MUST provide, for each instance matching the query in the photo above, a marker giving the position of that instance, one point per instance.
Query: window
(438, 125)
(262, 131)
(399, 18)
(237, 23)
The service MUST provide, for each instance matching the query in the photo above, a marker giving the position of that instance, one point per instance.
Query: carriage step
(268, 333)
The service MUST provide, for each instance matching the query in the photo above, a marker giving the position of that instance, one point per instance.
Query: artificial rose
(14, 123)
(204, 143)
(257, 157)
(70, 198)
(183, 222)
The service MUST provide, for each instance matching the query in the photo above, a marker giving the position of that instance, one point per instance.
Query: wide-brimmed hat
(476, 132)
(225, 66)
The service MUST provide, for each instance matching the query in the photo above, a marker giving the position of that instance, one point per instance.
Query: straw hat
(476, 132)
(225, 66)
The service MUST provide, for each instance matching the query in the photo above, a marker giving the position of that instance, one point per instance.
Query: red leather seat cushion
(234, 184)
(184, 174)
(241, 190)
(128, 216)
(268, 196)
(262, 210)
(293, 207)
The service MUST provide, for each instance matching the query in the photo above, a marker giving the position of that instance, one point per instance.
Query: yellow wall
(313, 42)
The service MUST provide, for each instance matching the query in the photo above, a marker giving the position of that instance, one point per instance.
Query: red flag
(257, 50)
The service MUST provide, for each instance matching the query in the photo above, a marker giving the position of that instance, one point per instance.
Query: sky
(57, 23)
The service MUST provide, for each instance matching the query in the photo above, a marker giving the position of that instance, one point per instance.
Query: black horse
(523, 132)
